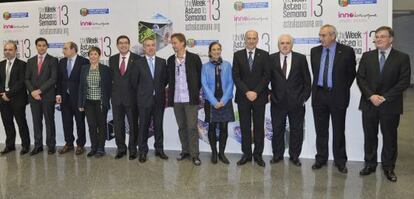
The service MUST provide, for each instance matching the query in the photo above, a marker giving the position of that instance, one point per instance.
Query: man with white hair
(333, 67)
(291, 87)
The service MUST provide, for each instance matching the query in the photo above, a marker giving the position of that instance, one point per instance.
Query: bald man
(13, 99)
(250, 75)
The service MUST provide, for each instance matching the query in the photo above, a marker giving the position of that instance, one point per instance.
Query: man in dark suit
(13, 99)
(124, 97)
(250, 75)
(291, 87)
(152, 80)
(40, 80)
(184, 84)
(383, 75)
(333, 67)
(67, 89)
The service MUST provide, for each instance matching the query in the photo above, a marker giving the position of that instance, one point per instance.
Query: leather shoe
(7, 150)
(295, 161)
(91, 153)
(244, 160)
(183, 156)
(65, 149)
(367, 170)
(142, 157)
(223, 158)
(390, 175)
(161, 154)
(79, 150)
(259, 161)
(99, 154)
(318, 165)
(132, 156)
(196, 161)
(24, 151)
(275, 160)
(119, 155)
(51, 150)
(342, 168)
(36, 151)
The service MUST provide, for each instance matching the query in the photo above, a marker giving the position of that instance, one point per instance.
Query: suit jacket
(146, 84)
(343, 73)
(390, 83)
(296, 87)
(123, 87)
(45, 81)
(105, 83)
(256, 80)
(193, 73)
(70, 83)
(17, 90)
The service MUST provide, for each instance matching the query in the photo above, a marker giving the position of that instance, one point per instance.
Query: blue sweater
(208, 81)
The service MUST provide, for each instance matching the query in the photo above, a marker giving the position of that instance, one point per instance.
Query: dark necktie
(382, 61)
(284, 68)
(325, 70)
(250, 60)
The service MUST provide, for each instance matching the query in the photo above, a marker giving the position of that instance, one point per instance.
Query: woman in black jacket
(94, 94)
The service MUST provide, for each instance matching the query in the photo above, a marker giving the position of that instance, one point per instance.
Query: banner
(100, 22)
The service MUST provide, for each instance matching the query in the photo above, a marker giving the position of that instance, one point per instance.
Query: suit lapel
(292, 66)
(255, 58)
(44, 64)
(277, 64)
(147, 67)
(317, 57)
(129, 63)
(388, 62)
(157, 67)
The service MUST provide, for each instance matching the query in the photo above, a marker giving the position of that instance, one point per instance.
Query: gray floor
(70, 176)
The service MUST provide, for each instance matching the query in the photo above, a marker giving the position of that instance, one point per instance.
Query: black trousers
(156, 113)
(96, 116)
(212, 136)
(70, 111)
(186, 117)
(323, 109)
(119, 113)
(10, 110)
(371, 119)
(296, 118)
(44, 109)
(247, 113)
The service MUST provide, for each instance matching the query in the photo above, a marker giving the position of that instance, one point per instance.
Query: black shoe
(367, 170)
(91, 153)
(214, 157)
(318, 165)
(244, 160)
(99, 154)
(161, 154)
(133, 156)
(36, 151)
(7, 150)
(275, 160)
(295, 161)
(183, 156)
(119, 155)
(259, 161)
(142, 157)
(51, 150)
(390, 175)
(196, 161)
(342, 168)
(223, 158)
(24, 151)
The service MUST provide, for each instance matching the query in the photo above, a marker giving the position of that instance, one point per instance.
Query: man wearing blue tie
(383, 75)
(333, 67)
(67, 89)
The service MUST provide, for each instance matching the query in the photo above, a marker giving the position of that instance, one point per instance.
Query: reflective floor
(70, 176)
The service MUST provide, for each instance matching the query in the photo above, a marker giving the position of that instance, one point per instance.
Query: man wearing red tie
(40, 80)
(124, 97)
